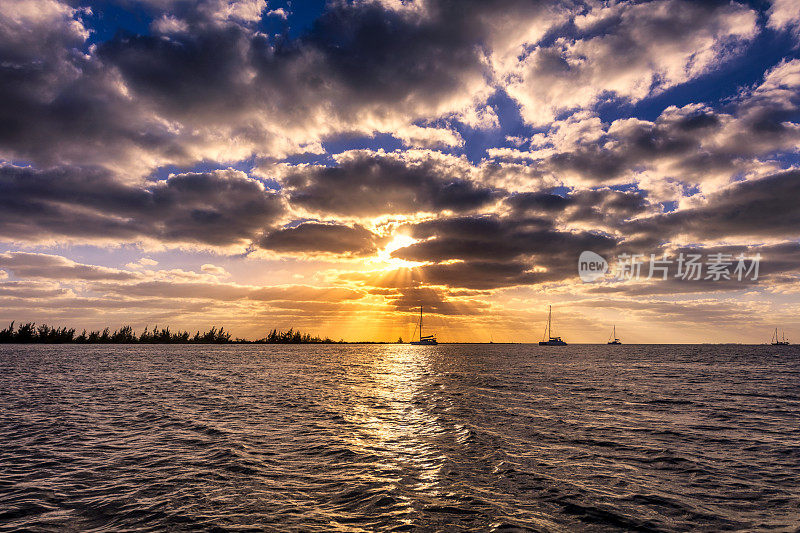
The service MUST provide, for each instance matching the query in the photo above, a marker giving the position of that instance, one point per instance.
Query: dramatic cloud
(28, 265)
(435, 301)
(365, 184)
(228, 291)
(777, 270)
(23, 291)
(207, 84)
(765, 208)
(316, 237)
(489, 251)
(605, 207)
(627, 50)
(684, 147)
(784, 14)
(218, 208)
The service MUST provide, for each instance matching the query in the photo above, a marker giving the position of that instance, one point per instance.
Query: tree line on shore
(44, 334)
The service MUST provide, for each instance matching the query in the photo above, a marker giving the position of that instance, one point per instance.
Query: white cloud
(214, 270)
(420, 137)
(784, 15)
(629, 51)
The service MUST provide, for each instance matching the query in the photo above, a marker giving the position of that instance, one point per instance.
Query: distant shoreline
(30, 333)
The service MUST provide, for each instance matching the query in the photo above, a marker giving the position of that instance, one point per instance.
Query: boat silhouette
(424, 340)
(613, 339)
(549, 339)
(775, 341)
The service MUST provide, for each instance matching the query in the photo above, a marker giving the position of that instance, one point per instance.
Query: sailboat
(424, 340)
(549, 340)
(775, 341)
(613, 339)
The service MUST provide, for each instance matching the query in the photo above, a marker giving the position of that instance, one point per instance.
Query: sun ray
(384, 256)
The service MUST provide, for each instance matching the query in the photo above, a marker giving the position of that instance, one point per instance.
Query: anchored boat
(549, 339)
(424, 340)
(775, 341)
(613, 339)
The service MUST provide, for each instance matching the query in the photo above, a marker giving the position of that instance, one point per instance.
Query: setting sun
(385, 255)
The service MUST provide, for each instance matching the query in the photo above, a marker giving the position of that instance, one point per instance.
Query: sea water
(399, 437)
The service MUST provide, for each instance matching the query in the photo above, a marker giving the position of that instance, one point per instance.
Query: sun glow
(385, 255)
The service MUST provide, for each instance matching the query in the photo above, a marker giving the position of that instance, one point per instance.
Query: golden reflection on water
(391, 409)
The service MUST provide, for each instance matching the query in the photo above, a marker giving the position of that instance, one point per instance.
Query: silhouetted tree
(26, 333)
(292, 337)
(123, 335)
(30, 333)
(7, 335)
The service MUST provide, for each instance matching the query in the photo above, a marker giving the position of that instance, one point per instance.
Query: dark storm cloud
(482, 252)
(538, 201)
(199, 73)
(385, 57)
(779, 264)
(607, 205)
(598, 205)
(354, 54)
(59, 103)
(317, 237)
(218, 208)
(765, 208)
(490, 274)
(367, 184)
(496, 238)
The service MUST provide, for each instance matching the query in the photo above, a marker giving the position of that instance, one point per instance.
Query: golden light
(385, 256)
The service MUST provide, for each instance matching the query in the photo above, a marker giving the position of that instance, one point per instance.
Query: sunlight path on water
(399, 437)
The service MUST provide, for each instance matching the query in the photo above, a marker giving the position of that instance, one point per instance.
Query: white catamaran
(549, 340)
(613, 339)
(424, 340)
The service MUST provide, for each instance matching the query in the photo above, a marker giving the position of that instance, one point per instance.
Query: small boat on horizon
(424, 340)
(775, 341)
(549, 339)
(613, 339)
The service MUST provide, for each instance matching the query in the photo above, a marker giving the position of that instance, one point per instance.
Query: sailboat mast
(549, 318)
(420, 323)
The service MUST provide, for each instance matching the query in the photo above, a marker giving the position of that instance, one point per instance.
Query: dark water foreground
(364, 438)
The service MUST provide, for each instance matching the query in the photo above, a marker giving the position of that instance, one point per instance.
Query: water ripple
(399, 438)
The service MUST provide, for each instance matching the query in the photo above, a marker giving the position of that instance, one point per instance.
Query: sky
(333, 166)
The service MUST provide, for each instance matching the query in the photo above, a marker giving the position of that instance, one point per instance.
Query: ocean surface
(399, 438)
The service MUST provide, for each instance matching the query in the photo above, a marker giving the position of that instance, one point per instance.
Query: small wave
(177, 438)
(669, 401)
